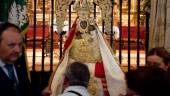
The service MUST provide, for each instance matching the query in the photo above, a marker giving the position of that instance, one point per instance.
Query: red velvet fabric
(100, 73)
(99, 70)
(39, 32)
(133, 32)
(70, 36)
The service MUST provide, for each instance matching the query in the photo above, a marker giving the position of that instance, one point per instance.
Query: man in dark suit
(14, 79)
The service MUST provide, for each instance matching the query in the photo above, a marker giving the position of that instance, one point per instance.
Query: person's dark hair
(5, 26)
(78, 73)
(161, 52)
(149, 81)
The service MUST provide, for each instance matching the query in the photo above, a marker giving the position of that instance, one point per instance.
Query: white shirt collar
(80, 89)
(2, 64)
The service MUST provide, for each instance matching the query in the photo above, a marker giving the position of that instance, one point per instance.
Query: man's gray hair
(78, 73)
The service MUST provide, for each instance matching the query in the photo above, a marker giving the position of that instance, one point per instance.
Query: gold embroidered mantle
(85, 49)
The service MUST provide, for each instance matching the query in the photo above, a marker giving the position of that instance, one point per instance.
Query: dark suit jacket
(6, 85)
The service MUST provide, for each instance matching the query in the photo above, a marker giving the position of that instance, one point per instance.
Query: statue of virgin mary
(85, 43)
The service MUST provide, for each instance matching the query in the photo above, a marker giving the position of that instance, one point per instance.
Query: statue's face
(83, 24)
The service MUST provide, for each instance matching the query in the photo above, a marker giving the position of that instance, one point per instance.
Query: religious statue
(85, 43)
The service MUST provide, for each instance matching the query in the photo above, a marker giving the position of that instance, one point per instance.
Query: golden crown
(83, 8)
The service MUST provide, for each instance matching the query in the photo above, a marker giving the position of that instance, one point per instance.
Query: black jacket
(6, 85)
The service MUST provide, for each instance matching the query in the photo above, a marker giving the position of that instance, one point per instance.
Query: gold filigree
(93, 86)
(106, 12)
(85, 49)
(84, 9)
(61, 12)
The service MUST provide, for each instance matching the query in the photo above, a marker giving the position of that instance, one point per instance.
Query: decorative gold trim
(61, 13)
(106, 12)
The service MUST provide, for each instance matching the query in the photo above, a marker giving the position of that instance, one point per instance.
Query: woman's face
(156, 61)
